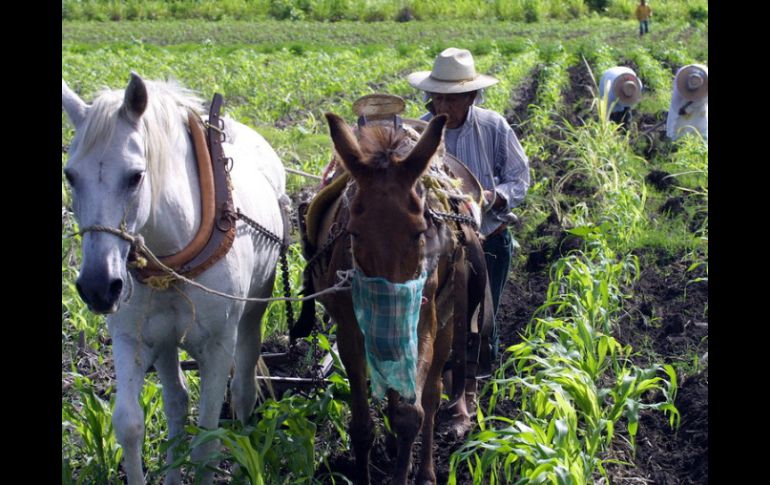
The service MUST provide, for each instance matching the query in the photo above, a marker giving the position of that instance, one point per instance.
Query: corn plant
(278, 446)
(96, 454)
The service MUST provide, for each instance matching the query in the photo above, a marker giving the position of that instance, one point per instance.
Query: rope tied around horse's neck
(165, 281)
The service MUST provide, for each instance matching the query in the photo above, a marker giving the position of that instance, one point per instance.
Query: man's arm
(511, 171)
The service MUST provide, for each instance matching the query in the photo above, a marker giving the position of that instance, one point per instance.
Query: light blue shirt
(490, 149)
(450, 139)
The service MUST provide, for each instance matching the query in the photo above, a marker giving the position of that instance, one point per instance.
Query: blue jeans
(644, 27)
(498, 252)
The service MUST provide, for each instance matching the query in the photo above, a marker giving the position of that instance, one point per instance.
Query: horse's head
(386, 213)
(106, 172)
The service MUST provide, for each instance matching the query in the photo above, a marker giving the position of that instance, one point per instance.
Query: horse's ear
(346, 144)
(75, 107)
(418, 159)
(135, 98)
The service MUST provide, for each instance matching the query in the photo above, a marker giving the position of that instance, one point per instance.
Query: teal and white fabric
(388, 314)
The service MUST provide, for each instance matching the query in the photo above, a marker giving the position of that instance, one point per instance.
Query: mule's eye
(134, 179)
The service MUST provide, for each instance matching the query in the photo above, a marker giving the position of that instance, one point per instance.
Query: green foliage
(278, 446)
(96, 455)
(93, 454)
(366, 10)
(574, 380)
(698, 14)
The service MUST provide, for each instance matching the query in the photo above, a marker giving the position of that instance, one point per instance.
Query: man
(689, 110)
(623, 89)
(485, 142)
(643, 14)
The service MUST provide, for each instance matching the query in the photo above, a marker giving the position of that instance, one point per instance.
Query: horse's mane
(380, 143)
(162, 123)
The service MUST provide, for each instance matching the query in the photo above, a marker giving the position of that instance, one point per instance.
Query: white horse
(132, 167)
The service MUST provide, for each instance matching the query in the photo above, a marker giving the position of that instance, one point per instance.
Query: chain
(257, 226)
(284, 261)
(326, 246)
(446, 216)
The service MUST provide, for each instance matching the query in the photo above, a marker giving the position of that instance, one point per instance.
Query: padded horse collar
(216, 231)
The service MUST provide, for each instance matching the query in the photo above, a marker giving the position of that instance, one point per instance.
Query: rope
(164, 281)
(304, 174)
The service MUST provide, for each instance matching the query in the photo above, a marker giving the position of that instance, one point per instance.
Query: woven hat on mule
(692, 82)
(453, 72)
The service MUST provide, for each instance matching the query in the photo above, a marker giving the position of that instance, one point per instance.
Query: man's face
(453, 105)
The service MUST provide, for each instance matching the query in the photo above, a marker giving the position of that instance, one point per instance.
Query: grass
(368, 10)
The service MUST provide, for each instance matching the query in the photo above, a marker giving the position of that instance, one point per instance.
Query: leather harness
(216, 231)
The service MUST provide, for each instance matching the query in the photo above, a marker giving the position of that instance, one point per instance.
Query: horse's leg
(431, 396)
(131, 362)
(243, 386)
(351, 346)
(214, 362)
(175, 403)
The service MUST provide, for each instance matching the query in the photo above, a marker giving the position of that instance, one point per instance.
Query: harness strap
(217, 228)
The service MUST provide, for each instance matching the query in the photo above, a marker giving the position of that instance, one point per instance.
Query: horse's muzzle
(102, 297)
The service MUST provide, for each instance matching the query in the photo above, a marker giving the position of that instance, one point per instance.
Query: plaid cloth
(387, 315)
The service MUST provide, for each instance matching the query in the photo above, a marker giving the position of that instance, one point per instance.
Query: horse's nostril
(115, 288)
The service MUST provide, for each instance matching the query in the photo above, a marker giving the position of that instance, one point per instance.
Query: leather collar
(216, 231)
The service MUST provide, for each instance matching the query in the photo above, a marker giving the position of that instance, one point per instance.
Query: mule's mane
(380, 144)
(162, 124)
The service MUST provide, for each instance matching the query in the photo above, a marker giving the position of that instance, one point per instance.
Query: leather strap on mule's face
(216, 231)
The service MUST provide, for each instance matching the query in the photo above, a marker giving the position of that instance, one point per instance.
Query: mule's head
(386, 214)
(106, 173)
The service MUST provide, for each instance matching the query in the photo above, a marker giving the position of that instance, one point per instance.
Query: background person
(625, 90)
(643, 14)
(689, 110)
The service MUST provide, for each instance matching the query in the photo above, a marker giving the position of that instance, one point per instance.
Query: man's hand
(683, 109)
(492, 198)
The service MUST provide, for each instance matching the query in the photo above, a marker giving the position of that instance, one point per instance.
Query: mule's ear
(418, 159)
(75, 107)
(346, 144)
(135, 98)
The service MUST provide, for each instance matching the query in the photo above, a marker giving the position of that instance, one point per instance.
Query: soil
(578, 96)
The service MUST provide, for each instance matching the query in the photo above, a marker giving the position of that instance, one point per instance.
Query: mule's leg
(215, 362)
(351, 346)
(175, 403)
(459, 421)
(431, 396)
(408, 419)
(405, 419)
(243, 386)
(131, 362)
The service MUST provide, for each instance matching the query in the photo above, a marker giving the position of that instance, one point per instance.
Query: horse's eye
(134, 179)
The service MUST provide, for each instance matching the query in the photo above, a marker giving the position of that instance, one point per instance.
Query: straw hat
(692, 82)
(453, 72)
(627, 89)
(379, 106)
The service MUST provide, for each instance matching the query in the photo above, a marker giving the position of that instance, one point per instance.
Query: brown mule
(382, 221)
